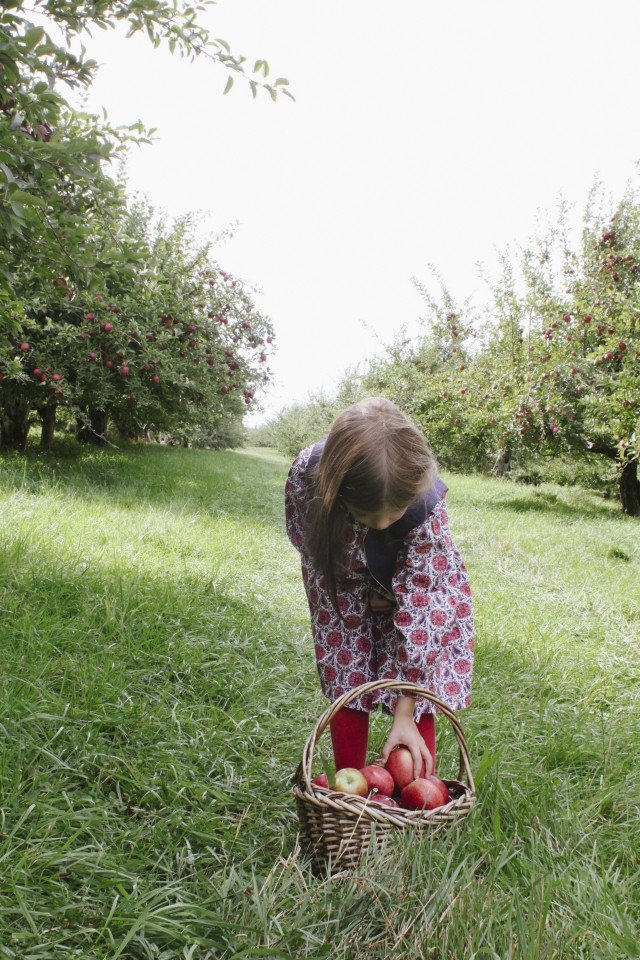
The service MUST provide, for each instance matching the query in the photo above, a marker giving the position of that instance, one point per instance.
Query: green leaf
(33, 36)
(228, 85)
(281, 82)
(7, 172)
(254, 88)
(330, 770)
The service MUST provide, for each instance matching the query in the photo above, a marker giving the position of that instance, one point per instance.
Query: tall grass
(158, 685)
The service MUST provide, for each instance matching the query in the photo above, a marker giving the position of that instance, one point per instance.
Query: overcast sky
(422, 133)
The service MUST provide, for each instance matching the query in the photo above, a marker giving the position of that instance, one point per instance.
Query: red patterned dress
(426, 639)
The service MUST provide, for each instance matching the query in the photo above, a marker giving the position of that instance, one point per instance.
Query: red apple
(378, 778)
(421, 794)
(124, 370)
(321, 781)
(155, 378)
(382, 799)
(444, 789)
(350, 780)
(25, 347)
(57, 377)
(400, 766)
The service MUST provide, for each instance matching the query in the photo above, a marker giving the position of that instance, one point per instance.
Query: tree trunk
(502, 463)
(630, 488)
(48, 417)
(15, 425)
(93, 429)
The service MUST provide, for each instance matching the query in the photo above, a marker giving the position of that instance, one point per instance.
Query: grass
(158, 684)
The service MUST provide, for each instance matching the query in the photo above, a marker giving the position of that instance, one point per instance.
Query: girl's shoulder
(308, 459)
(423, 508)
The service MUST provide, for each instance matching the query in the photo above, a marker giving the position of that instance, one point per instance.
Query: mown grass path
(158, 684)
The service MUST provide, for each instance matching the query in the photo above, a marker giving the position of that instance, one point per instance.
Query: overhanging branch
(591, 446)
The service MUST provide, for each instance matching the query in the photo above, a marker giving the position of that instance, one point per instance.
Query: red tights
(350, 736)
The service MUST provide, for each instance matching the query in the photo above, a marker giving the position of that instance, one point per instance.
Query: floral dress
(426, 639)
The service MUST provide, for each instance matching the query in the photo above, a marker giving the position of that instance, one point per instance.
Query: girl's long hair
(373, 457)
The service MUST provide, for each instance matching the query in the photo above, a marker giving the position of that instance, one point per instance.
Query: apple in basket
(321, 781)
(444, 789)
(421, 794)
(400, 766)
(350, 780)
(378, 778)
(382, 799)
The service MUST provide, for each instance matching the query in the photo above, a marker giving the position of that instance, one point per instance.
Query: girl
(388, 593)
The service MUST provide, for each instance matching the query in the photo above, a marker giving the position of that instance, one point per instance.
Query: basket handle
(410, 689)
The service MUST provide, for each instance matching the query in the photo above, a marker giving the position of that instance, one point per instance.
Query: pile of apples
(392, 784)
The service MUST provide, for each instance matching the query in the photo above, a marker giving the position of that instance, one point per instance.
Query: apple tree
(66, 243)
(435, 379)
(36, 149)
(577, 390)
(160, 337)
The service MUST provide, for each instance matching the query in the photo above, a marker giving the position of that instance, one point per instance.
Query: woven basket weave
(336, 828)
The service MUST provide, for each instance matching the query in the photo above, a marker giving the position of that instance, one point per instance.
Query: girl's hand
(405, 732)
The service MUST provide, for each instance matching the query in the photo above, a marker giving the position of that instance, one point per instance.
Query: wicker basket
(336, 828)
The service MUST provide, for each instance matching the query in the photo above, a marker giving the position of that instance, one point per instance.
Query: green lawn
(158, 685)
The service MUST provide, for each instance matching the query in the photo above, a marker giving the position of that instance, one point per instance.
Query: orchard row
(172, 343)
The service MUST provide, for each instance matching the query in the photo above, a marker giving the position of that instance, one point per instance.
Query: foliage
(300, 424)
(577, 386)
(549, 368)
(42, 151)
(72, 255)
(159, 339)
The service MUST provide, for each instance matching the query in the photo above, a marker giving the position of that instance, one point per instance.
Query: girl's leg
(427, 730)
(350, 737)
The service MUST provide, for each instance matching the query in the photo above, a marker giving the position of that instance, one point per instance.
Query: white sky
(422, 133)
